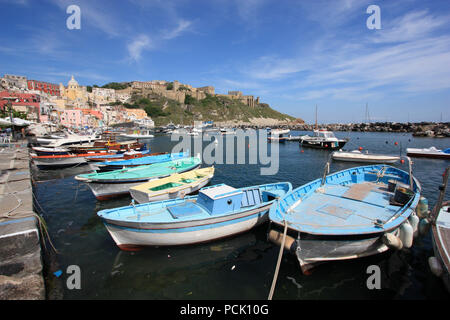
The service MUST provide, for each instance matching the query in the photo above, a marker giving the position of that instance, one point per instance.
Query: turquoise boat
(119, 164)
(110, 184)
(216, 212)
(349, 214)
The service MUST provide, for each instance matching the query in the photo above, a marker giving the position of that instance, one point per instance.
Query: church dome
(73, 82)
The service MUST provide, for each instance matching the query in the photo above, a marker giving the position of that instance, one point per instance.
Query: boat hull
(128, 236)
(113, 189)
(334, 145)
(429, 155)
(364, 158)
(58, 162)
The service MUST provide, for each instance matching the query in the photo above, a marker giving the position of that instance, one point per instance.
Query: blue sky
(293, 54)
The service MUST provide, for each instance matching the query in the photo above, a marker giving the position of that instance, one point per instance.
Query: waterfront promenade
(20, 246)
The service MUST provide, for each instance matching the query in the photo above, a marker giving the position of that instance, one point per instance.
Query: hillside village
(144, 103)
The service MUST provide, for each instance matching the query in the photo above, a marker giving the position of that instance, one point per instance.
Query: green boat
(107, 185)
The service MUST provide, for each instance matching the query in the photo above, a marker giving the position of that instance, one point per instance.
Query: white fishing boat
(440, 226)
(218, 211)
(431, 152)
(175, 186)
(358, 156)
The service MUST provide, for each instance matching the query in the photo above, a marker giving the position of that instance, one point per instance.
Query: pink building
(73, 118)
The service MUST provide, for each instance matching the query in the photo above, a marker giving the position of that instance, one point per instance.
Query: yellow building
(74, 94)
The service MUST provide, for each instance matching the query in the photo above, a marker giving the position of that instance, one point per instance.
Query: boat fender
(422, 207)
(424, 227)
(414, 221)
(277, 238)
(392, 241)
(435, 266)
(406, 234)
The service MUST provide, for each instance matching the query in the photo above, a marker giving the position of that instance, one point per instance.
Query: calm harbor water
(239, 267)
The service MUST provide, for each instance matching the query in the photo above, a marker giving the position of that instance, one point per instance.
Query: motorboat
(431, 152)
(322, 139)
(138, 134)
(358, 156)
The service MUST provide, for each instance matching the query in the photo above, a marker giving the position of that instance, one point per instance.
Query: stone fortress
(178, 91)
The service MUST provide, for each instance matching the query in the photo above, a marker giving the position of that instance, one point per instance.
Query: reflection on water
(240, 267)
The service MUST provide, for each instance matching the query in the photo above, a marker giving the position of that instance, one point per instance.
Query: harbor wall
(21, 263)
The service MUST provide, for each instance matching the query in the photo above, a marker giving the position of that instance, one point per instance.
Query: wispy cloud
(182, 26)
(140, 43)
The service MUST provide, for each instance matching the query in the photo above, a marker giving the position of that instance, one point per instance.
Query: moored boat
(60, 161)
(322, 139)
(44, 151)
(175, 186)
(349, 214)
(440, 226)
(138, 134)
(218, 211)
(139, 161)
(358, 156)
(431, 152)
(105, 185)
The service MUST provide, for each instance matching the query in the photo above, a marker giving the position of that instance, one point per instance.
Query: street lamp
(10, 110)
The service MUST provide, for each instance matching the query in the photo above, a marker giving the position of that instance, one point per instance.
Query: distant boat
(142, 134)
(358, 156)
(322, 139)
(349, 214)
(218, 211)
(175, 186)
(431, 152)
(106, 185)
(278, 135)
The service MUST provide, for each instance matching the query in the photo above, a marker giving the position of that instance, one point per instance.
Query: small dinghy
(358, 156)
(106, 185)
(431, 152)
(175, 186)
(440, 226)
(352, 213)
(218, 211)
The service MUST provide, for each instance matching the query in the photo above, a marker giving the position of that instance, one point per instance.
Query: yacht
(322, 139)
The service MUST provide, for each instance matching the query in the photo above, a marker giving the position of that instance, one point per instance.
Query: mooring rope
(277, 269)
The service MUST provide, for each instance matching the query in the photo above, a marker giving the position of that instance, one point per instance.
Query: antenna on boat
(442, 188)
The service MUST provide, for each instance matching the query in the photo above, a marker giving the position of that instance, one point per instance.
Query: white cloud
(182, 26)
(140, 43)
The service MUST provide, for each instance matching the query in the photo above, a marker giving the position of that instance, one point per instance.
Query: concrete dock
(21, 266)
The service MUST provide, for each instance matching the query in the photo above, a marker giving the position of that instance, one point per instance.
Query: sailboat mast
(316, 117)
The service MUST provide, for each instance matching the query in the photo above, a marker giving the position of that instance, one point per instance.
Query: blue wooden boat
(135, 162)
(216, 212)
(349, 214)
(115, 155)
